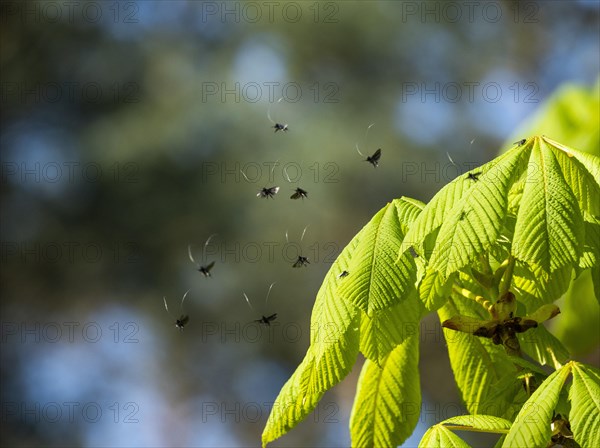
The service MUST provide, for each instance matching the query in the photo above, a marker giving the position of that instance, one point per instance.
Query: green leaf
(534, 286)
(478, 423)
(591, 162)
(549, 227)
(375, 281)
(473, 224)
(579, 178)
(442, 205)
(382, 332)
(532, 426)
(505, 396)
(434, 290)
(293, 403)
(332, 353)
(438, 436)
(543, 347)
(584, 395)
(591, 248)
(477, 363)
(388, 399)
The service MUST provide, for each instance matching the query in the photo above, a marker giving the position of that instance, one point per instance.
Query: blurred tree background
(124, 130)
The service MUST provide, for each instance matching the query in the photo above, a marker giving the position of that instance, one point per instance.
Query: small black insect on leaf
(474, 176)
(374, 159)
(206, 269)
(344, 274)
(413, 252)
(267, 192)
(281, 127)
(520, 142)
(301, 261)
(300, 193)
(267, 320)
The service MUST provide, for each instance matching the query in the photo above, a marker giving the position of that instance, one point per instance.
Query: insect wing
(206, 269)
(182, 321)
(300, 193)
(374, 159)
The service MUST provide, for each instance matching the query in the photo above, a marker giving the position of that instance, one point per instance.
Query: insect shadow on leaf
(184, 318)
(276, 125)
(373, 159)
(264, 320)
(301, 261)
(203, 269)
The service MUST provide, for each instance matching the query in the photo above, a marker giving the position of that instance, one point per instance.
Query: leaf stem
(471, 295)
(508, 274)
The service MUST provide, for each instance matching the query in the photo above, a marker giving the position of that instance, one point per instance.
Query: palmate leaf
(473, 224)
(531, 428)
(549, 228)
(585, 405)
(376, 282)
(548, 187)
(336, 328)
(483, 203)
(388, 399)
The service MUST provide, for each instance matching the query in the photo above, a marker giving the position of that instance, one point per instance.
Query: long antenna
(184, 296)
(287, 176)
(303, 232)
(269, 111)
(273, 169)
(450, 158)
(366, 135)
(244, 174)
(208, 240)
(190, 253)
(248, 301)
(206, 244)
(268, 293)
(203, 250)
